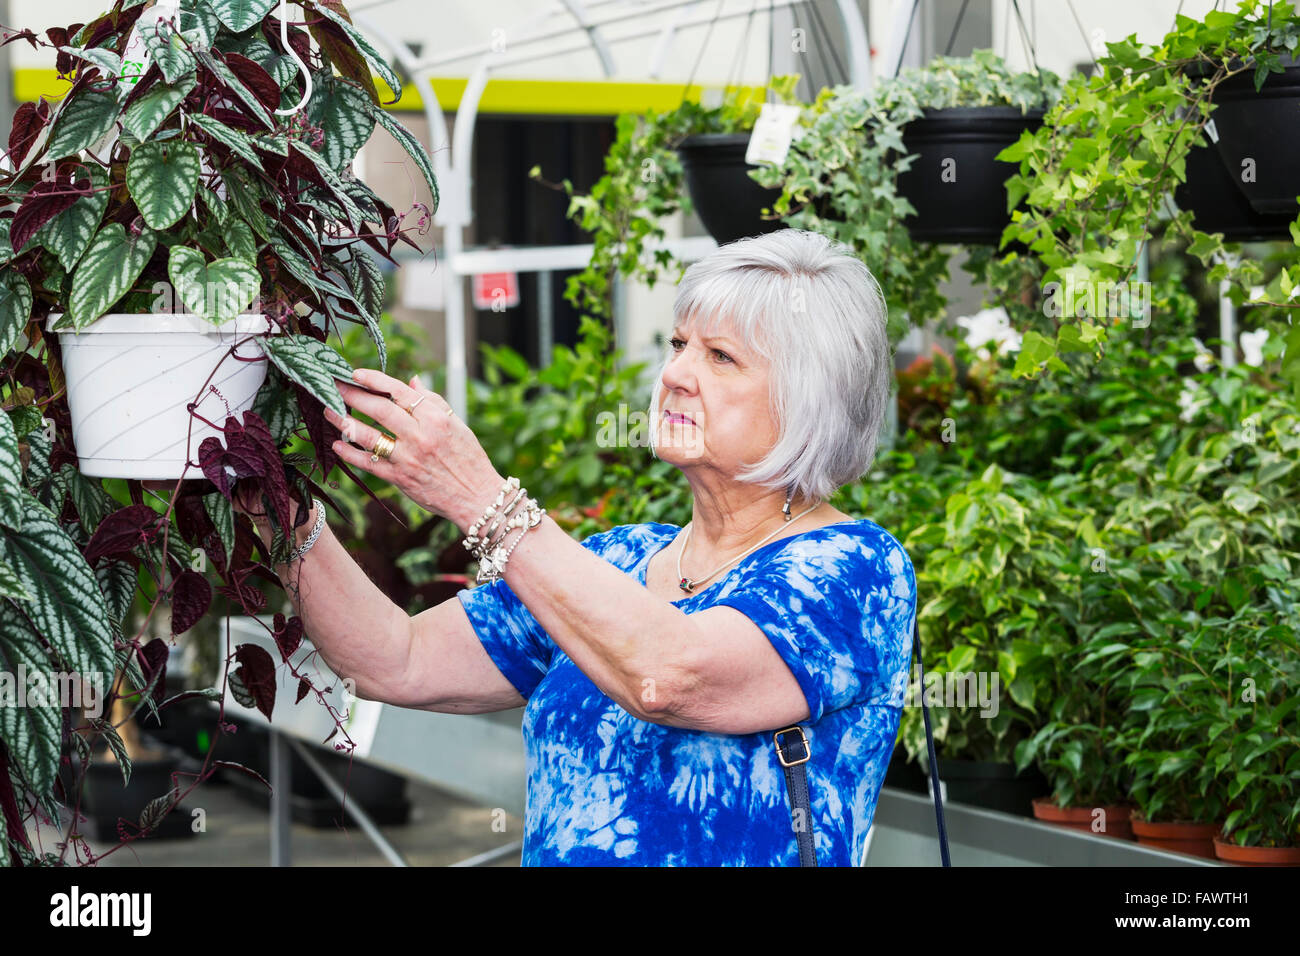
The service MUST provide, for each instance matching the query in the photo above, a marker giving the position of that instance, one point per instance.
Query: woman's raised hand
(436, 461)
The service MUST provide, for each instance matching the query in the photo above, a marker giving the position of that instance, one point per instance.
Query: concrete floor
(443, 829)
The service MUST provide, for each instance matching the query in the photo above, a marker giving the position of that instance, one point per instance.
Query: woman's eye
(676, 343)
(724, 355)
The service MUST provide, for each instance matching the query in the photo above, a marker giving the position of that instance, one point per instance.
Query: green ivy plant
(1096, 181)
(840, 175)
(108, 195)
(643, 184)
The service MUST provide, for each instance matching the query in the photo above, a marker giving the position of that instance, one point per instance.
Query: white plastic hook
(284, 41)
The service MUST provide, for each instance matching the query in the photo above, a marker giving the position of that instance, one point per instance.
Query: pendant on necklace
(686, 584)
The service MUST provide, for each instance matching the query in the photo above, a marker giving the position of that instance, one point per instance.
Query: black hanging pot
(1259, 137)
(1218, 206)
(728, 202)
(955, 183)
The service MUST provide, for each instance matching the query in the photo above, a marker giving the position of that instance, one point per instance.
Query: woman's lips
(677, 418)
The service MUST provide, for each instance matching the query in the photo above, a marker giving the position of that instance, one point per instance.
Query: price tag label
(772, 134)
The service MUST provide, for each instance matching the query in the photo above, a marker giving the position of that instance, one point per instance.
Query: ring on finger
(416, 403)
(384, 447)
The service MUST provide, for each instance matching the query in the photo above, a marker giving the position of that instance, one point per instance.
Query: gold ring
(384, 447)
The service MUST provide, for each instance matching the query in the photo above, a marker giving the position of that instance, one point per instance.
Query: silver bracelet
(315, 531)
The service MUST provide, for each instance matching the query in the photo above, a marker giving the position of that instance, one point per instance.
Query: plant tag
(135, 58)
(772, 134)
(1211, 131)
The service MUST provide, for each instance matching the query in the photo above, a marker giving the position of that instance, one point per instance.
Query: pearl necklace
(688, 584)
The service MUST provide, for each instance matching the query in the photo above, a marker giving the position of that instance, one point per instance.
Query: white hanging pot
(130, 378)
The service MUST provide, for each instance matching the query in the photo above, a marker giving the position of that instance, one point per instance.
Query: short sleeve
(509, 632)
(839, 610)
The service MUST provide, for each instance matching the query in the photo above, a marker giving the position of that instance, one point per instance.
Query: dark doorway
(511, 209)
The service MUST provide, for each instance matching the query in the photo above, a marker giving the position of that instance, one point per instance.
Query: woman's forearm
(633, 645)
(360, 633)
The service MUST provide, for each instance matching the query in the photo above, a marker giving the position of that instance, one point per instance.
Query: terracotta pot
(1118, 825)
(1196, 839)
(1257, 855)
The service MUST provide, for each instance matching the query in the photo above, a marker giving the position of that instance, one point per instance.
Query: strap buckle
(780, 752)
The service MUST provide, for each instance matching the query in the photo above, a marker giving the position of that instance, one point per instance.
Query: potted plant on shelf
(994, 654)
(175, 202)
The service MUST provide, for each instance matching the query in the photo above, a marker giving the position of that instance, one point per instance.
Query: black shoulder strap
(794, 754)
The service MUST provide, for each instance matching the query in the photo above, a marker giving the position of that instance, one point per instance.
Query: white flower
(1252, 346)
(1204, 357)
(1190, 400)
(990, 327)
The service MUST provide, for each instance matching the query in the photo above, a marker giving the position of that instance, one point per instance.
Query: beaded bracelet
(493, 566)
(489, 548)
(472, 540)
(496, 533)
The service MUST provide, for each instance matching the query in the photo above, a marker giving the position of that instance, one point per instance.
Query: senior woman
(656, 661)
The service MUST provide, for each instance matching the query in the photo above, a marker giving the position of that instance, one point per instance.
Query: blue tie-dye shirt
(605, 788)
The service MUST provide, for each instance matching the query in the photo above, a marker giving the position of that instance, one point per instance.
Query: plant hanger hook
(306, 73)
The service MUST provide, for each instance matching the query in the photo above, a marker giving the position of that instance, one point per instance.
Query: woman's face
(721, 389)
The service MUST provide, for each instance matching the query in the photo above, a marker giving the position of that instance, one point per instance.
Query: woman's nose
(680, 372)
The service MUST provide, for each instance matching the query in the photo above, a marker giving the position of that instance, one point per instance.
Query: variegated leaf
(216, 205)
(67, 607)
(240, 241)
(92, 502)
(332, 179)
(233, 83)
(146, 114)
(117, 582)
(162, 177)
(372, 327)
(228, 136)
(12, 491)
(107, 270)
(282, 69)
(377, 62)
(244, 195)
(367, 281)
(239, 15)
(222, 516)
(31, 733)
(414, 148)
(276, 143)
(109, 63)
(115, 744)
(69, 233)
(312, 364)
(277, 406)
(342, 110)
(85, 118)
(218, 290)
(200, 19)
(15, 308)
(10, 586)
(167, 50)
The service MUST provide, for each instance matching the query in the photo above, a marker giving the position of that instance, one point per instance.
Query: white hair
(814, 311)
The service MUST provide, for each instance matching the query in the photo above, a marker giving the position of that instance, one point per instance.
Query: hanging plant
(173, 198)
(644, 183)
(863, 161)
(1098, 179)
